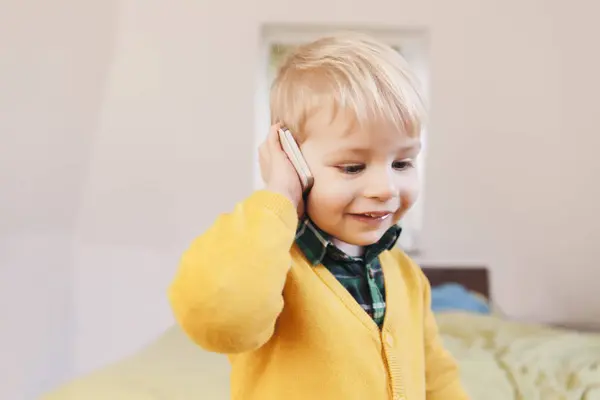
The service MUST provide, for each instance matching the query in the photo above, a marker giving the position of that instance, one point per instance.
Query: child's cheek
(409, 193)
(410, 196)
(329, 184)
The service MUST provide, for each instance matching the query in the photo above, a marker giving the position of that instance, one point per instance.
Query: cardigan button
(389, 339)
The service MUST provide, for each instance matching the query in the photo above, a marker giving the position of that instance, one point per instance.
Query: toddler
(309, 296)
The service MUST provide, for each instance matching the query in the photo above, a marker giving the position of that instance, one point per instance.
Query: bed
(499, 359)
(504, 359)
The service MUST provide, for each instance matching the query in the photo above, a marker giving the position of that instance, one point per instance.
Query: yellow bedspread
(509, 360)
(499, 360)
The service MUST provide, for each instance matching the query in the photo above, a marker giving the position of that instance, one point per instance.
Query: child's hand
(277, 170)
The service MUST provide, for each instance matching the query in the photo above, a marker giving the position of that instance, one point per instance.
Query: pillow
(455, 297)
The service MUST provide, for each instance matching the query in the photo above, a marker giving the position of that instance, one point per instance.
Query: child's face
(365, 179)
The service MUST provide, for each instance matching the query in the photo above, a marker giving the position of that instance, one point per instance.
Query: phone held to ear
(290, 147)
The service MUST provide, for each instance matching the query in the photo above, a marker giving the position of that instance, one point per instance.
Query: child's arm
(441, 371)
(227, 293)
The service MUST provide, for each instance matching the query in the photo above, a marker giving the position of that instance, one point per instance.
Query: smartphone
(290, 147)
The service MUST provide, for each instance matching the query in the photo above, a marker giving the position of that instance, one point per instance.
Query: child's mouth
(372, 217)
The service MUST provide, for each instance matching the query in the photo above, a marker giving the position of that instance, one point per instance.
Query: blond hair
(348, 72)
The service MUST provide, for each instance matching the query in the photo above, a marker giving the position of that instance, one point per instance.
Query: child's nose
(381, 186)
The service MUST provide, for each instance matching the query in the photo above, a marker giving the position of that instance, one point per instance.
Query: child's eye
(351, 168)
(402, 165)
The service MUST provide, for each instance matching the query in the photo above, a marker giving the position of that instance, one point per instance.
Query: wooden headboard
(472, 278)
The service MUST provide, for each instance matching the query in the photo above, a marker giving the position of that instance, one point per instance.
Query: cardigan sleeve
(227, 292)
(441, 370)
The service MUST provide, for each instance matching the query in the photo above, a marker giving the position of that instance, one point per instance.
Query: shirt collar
(315, 244)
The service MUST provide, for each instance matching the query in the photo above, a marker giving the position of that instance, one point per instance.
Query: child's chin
(364, 238)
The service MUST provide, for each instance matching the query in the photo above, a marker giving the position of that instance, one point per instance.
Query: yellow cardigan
(291, 330)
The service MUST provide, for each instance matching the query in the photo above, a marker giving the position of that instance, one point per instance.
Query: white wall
(53, 62)
(127, 125)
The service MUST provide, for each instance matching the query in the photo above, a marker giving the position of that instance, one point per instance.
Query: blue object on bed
(455, 297)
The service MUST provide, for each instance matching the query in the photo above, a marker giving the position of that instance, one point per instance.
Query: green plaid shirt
(361, 276)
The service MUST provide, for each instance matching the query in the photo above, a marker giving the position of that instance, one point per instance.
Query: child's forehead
(331, 122)
(342, 129)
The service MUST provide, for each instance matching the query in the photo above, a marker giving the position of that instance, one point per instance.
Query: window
(277, 41)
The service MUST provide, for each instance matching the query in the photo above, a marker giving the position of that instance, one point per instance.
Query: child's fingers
(263, 160)
(273, 140)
